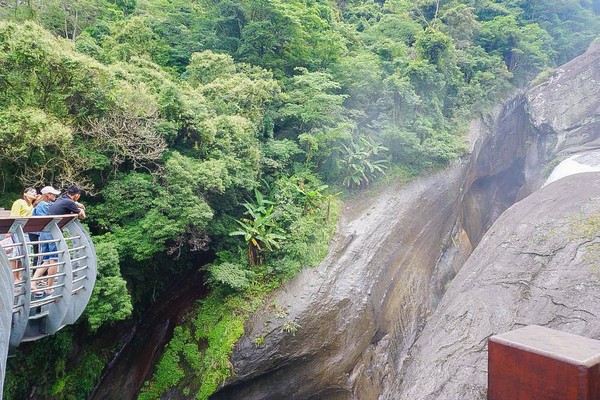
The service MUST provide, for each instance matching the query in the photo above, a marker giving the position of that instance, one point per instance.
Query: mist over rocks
(362, 314)
(534, 266)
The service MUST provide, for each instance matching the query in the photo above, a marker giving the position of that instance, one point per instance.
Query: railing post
(6, 303)
(61, 306)
(20, 319)
(84, 269)
(541, 363)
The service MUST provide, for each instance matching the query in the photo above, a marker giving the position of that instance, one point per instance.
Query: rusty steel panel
(537, 363)
(34, 224)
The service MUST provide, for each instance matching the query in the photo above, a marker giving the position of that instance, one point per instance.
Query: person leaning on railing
(22, 207)
(65, 204)
(41, 208)
(68, 203)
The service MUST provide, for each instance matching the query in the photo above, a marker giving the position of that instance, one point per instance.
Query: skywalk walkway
(23, 315)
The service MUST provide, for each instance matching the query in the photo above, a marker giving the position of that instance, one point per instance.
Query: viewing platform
(27, 316)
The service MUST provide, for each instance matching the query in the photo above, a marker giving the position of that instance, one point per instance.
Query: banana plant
(260, 230)
(363, 162)
(312, 198)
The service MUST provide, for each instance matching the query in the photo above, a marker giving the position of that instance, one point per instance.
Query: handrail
(34, 223)
(6, 305)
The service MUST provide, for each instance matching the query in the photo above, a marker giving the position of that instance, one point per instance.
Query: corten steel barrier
(23, 315)
(543, 364)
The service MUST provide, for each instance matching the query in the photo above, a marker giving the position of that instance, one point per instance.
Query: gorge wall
(360, 312)
(538, 262)
(536, 265)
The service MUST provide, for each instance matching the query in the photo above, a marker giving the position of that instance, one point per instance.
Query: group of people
(47, 203)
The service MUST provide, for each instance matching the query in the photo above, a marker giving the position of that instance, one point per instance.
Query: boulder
(538, 264)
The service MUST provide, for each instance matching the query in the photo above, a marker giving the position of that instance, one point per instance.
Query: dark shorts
(48, 247)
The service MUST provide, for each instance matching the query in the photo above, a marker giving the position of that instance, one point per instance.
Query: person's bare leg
(52, 270)
(14, 265)
(40, 271)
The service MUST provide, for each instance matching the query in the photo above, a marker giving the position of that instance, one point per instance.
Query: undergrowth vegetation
(59, 372)
(586, 227)
(197, 358)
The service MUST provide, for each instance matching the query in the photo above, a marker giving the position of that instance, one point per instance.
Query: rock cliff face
(536, 265)
(360, 312)
(366, 295)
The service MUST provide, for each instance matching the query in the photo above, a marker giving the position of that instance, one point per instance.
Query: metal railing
(60, 296)
(42, 305)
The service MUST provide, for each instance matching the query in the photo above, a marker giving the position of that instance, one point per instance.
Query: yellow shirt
(21, 208)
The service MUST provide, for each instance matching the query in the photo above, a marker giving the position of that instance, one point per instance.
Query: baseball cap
(50, 189)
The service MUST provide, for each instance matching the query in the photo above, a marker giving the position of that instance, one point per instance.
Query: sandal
(49, 292)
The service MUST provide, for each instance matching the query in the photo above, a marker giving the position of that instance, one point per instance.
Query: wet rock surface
(566, 106)
(345, 329)
(586, 162)
(534, 266)
(343, 311)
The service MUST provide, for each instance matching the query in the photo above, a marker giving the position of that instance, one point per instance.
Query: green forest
(223, 136)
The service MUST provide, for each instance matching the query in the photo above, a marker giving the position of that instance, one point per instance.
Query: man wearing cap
(48, 197)
(65, 204)
(42, 207)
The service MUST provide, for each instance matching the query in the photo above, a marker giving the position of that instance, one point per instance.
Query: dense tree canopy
(221, 127)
